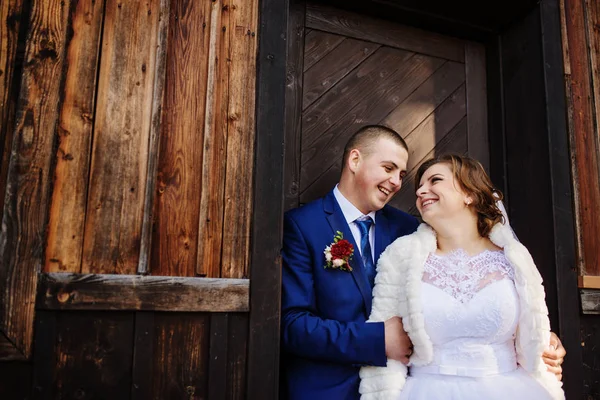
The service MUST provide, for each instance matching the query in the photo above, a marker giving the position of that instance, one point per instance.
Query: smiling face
(377, 173)
(439, 195)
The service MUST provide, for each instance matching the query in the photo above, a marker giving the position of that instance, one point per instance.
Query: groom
(326, 298)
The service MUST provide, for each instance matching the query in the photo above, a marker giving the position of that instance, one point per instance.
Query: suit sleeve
(304, 333)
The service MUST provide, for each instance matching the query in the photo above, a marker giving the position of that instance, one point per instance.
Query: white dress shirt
(351, 214)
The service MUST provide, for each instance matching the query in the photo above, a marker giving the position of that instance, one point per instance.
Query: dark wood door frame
(544, 21)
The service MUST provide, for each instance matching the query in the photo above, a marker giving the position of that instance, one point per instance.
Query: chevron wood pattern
(429, 89)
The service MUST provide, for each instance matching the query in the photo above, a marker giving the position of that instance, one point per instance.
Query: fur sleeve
(383, 383)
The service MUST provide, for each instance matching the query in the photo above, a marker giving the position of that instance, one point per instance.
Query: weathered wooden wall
(581, 55)
(581, 45)
(128, 135)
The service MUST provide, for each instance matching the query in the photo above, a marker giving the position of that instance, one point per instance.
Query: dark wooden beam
(267, 216)
(563, 216)
(58, 291)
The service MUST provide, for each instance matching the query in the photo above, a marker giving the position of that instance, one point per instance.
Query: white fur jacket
(398, 292)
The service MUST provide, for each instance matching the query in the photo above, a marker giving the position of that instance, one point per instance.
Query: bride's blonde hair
(476, 183)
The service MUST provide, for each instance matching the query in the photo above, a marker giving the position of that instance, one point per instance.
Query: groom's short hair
(366, 136)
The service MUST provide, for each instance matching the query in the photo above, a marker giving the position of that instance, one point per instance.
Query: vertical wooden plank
(293, 103)
(121, 136)
(237, 349)
(44, 360)
(143, 356)
(496, 126)
(570, 123)
(267, 213)
(240, 139)
(153, 146)
(210, 224)
(592, 19)
(28, 187)
(12, 21)
(74, 131)
(528, 151)
(94, 352)
(585, 140)
(180, 366)
(175, 237)
(217, 356)
(563, 216)
(477, 121)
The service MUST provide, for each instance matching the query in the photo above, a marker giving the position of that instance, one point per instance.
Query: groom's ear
(353, 161)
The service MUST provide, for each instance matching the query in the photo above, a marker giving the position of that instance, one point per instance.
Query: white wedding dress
(471, 310)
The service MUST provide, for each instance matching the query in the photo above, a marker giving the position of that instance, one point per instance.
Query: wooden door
(348, 70)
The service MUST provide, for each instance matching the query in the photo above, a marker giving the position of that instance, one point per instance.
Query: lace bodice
(462, 276)
(471, 310)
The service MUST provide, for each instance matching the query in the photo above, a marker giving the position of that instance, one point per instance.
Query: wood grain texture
(210, 223)
(584, 135)
(436, 126)
(154, 142)
(59, 291)
(11, 23)
(455, 141)
(371, 77)
(119, 164)
(333, 67)
(380, 31)
(426, 98)
(180, 365)
(382, 91)
(27, 197)
(317, 43)
(476, 93)
(240, 139)
(297, 57)
(177, 208)
(74, 130)
(91, 345)
(262, 379)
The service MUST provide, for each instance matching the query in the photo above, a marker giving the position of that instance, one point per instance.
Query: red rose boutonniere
(338, 253)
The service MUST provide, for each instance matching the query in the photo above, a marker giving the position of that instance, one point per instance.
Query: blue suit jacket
(324, 335)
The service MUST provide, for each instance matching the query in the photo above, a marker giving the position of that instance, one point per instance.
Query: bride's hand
(397, 343)
(554, 356)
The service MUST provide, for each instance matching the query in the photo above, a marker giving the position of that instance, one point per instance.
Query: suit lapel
(336, 220)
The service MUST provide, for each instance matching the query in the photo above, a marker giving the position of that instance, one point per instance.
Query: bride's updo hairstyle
(474, 181)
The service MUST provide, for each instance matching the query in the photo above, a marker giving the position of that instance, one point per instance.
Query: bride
(469, 294)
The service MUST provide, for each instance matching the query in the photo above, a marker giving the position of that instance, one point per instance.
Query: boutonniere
(339, 253)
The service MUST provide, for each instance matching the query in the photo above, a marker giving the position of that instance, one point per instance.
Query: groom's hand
(554, 356)
(397, 343)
